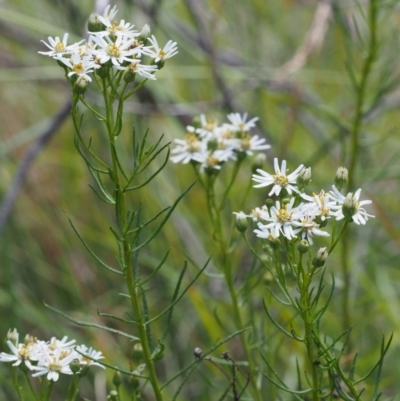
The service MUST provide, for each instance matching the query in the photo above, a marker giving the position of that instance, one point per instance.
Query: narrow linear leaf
(384, 350)
(88, 324)
(141, 226)
(144, 281)
(102, 198)
(120, 319)
(172, 208)
(180, 296)
(96, 175)
(276, 323)
(152, 176)
(173, 301)
(90, 251)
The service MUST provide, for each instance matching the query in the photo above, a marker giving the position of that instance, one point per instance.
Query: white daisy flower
(238, 122)
(91, 353)
(109, 14)
(280, 221)
(118, 51)
(59, 47)
(350, 206)
(188, 149)
(280, 179)
(251, 143)
(81, 66)
(308, 227)
(158, 54)
(135, 67)
(319, 205)
(54, 363)
(115, 28)
(21, 353)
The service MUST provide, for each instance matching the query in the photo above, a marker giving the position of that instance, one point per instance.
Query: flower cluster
(50, 357)
(211, 145)
(301, 214)
(111, 43)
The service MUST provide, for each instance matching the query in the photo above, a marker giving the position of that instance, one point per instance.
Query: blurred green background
(233, 57)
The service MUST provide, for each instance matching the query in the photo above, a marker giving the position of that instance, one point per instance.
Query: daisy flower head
(109, 13)
(308, 227)
(239, 123)
(319, 205)
(52, 363)
(280, 180)
(115, 29)
(89, 356)
(59, 47)
(135, 67)
(280, 220)
(160, 55)
(81, 66)
(188, 149)
(248, 144)
(350, 206)
(20, 354)
(116, 52)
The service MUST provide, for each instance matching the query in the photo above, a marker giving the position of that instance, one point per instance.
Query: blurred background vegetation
(285, 61)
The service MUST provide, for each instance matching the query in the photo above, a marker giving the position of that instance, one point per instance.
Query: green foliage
(64, 241)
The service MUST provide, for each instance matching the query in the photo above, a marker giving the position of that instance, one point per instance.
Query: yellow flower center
(78, 68)
(283, 215)
(113, 50)
(212, 161)
(59, 47)
(281, 180)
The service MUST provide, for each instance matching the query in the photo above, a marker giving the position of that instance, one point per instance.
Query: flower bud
(303, 246)
(145, 33)
(241, 222)
(259, 162)
(129, 76)
(285, 201)
(274, 242)
(94, 23)
(269, 203)
(197, 352)
(13, 336)
(134, 382)
(304, 178)
(75, 365)
(341, 178)
(80, 86)
(117, 379)
(137, 352)
(212, 145)
(350, 205)
(113, 396)
(320, 258)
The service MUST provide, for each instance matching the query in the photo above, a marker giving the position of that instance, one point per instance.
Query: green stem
(307, 315)
(367, 67)
(215, 215)
(334, 362)
(121, 211)
(231, 182)
(14, 377)
(346, 287)
(28, 379)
